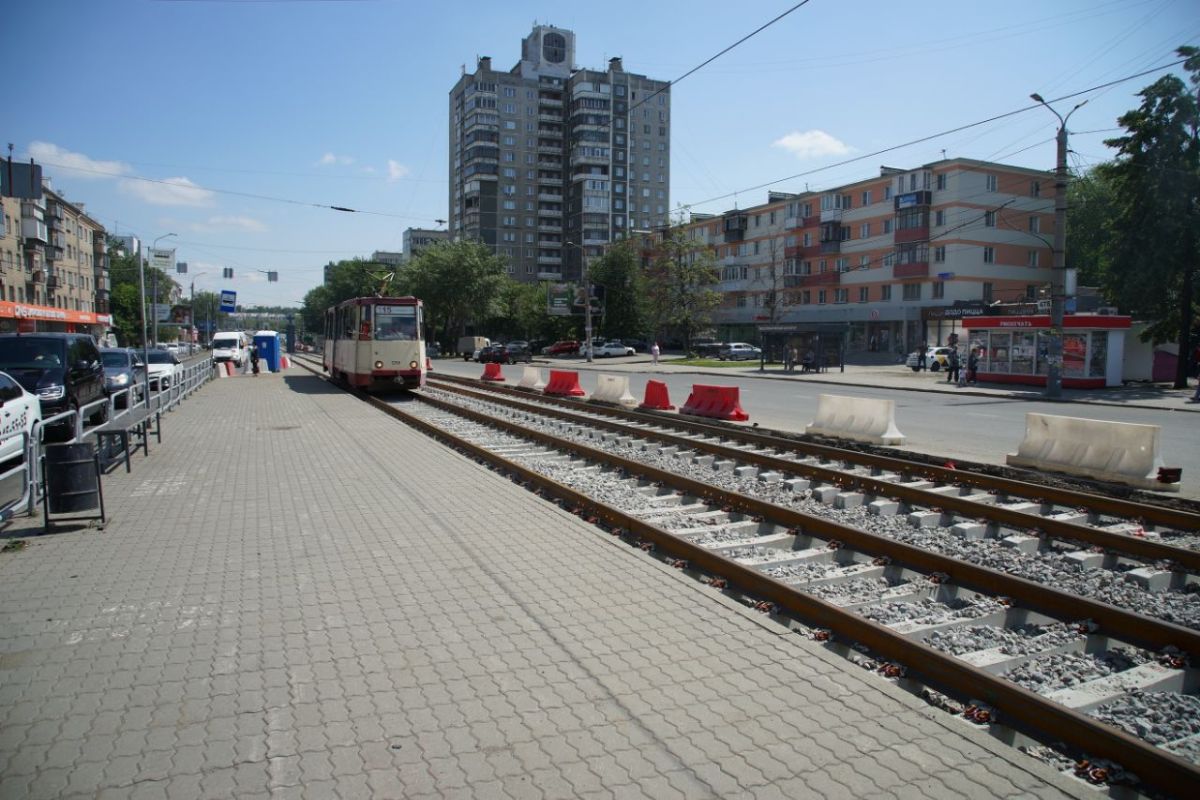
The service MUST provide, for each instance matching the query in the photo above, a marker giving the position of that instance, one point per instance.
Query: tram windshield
(396, 323)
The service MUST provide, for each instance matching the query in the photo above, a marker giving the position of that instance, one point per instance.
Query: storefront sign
(47, 313)
(952, 312)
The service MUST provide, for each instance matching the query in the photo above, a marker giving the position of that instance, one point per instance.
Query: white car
(20, 412)
(613, 349)
(162, 364)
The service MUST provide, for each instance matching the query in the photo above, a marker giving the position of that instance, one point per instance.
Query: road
(972, 427)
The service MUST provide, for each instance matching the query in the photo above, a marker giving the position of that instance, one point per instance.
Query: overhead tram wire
(929, 137)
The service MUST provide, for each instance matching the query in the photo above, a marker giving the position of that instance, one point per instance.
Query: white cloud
(812, 144)
(81, 166)
(167, 192)
(332, 158)
(396, 171)
(229, 223)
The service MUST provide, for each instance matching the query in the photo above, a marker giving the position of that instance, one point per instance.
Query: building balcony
(52, 283)
(547, 180)
(555, 213)
(549, 226)
(915, 269)
(913, 199)
(791, 223)
(830, 278)
(549, 116)
(549, 276)
(53, 253)
(831, 215)
(550, 197)
(549, 163)
(34, 229)
(37, 276)
(552, 260)
(831, 247)
(912, 235)
(552, 102)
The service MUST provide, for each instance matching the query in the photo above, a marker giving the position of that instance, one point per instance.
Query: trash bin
(72, 476)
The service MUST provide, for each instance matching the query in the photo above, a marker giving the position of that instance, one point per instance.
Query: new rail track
(972, 631)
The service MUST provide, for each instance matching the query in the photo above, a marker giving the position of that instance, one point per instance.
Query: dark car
(518, 351)
(123, 372)
(64, 370)
(708, 348)
(493, 352)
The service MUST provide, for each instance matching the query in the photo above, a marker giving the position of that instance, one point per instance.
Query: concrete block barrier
(614, 390)
(657, 397)
(1122, 452)
(859, 419)
(718, 402)
(491, 372)
(531, 379)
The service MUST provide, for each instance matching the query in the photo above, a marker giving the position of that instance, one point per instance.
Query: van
(468, 346)
(64, 370)
(230, 346)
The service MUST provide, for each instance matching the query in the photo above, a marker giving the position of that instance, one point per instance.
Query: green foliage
(125, 294)
(1092, 203)
(521, 310)
(625, 301)
(1155, 230)
(679, 293)
(459, 281)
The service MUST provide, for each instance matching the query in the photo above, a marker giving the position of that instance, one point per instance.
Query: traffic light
(272, 277)
(227, 272)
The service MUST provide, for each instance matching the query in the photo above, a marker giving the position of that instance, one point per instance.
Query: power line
(930, 137)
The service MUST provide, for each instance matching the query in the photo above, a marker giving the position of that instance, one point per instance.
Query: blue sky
(247, 115)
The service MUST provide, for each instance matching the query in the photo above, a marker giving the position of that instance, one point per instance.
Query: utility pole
(1058, 283)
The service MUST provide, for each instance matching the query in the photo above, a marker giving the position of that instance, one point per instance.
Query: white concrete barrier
(858, 418)
(1122, 452)
(532, 379)
(614, 389)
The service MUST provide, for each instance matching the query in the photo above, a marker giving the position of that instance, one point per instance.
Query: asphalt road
(965, 426)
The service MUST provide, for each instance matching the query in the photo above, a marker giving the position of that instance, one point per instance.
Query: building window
(1033, 258)
(806, 297)
(912, 291)
(841, 295)
(939, 254)
(866, 197)
(987, 293)
(989, 255)
(1035, 225)
(887, 192)
(864, 262)
(864, 294)
(772, 218)
(941, 180)
(887, 226)
(1035, 188)
(1031, 292)
(864, 230)
(821, 297)
(939, 290)
(991, 183)
(939, 217)
(989, 219)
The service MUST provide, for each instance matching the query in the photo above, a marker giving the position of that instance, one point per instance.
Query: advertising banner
(558, 299)
(163, 259)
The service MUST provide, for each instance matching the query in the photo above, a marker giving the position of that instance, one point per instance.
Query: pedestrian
(794, 357)
(254, 360)
(787, 359)
(973, 365)
(952, 366)
(654, 353)
(921, 357)
(810, 361)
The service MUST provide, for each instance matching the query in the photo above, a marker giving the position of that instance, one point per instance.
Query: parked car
(124, 372)
(739, 351)
(935, 359)
(433, 350)
(708, 348)
(614, 348)
(518, 351)
(493, 352)
(640, 345)
(162, 364)
(596, 343)
(20, 412)
(469, 346)
(63, 369)
(564, 347)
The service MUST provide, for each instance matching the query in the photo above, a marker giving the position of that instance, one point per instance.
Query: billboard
(162, 259)
(567, 299)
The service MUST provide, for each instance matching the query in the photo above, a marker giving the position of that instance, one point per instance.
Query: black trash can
(72, 478)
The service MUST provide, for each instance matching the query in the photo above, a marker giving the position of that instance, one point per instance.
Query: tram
(374, 343)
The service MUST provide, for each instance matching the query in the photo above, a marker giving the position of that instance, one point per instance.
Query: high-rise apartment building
(549, 163)
(418, 239)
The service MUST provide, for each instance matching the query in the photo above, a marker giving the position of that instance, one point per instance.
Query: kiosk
(1014, 349)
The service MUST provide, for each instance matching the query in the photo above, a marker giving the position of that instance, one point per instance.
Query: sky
(234, 124)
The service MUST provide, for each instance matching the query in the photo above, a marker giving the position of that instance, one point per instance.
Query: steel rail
(1062, 529)
(1154, 766)
(1157, 514)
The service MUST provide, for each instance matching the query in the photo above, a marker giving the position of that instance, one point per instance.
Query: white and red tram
(375, 343)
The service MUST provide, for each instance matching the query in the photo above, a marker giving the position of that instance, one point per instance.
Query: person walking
(788, 361)
(952, 366)
(921, 357)
(654, 353)
(972, 365)
(254, 360)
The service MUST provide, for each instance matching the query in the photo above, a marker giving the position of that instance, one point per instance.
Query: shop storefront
(30, 318)
(1014, 349)
(939, 323)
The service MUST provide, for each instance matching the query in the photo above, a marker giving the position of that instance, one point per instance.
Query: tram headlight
(412, 365)
(378, 365)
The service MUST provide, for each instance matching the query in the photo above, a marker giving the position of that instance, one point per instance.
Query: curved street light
(1054, 347)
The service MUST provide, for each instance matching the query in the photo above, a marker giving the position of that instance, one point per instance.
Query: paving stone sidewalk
(298, 597)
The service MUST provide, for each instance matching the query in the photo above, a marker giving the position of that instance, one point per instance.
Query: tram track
(920, 613)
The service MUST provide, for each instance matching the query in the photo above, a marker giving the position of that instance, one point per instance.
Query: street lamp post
(145, 344)
(192, 299)
(587, 303)
(1054, 356)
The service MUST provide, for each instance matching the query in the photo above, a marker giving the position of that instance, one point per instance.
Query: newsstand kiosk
(1014, 349)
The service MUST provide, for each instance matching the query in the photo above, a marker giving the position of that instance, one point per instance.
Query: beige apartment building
(884, 264)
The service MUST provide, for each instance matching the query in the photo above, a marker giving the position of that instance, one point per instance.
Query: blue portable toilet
(267, 345)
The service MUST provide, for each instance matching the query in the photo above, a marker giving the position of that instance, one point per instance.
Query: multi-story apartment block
(389, 257)
(549, 163)
(892, 262)
(75, 254)
(418, 239)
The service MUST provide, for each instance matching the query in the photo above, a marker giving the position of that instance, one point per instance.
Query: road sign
(228, 302)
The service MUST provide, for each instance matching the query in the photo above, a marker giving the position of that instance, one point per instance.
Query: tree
(521, 310)
(125, 277)
(619, 273)
(1151, 262)
(1092, 202)
(459, 281)
(679, 285)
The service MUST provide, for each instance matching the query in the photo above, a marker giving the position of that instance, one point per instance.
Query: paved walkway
(298, 597)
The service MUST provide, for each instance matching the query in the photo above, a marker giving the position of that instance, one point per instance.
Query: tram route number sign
(228, 302)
